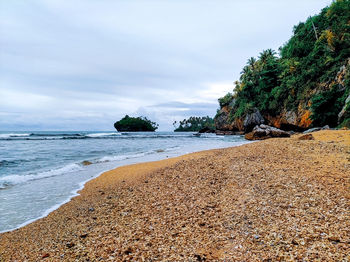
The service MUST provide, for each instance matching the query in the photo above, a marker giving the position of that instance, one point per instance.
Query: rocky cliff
(298, 119)
(306, 85)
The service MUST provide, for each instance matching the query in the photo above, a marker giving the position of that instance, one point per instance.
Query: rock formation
(264, 132)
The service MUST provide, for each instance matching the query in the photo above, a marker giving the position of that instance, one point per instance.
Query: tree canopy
(133, 124)
(194, 124)
(303, 74)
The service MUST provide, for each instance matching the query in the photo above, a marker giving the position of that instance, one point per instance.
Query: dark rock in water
(225, 133)
(252, 120)
(86, 163)
(307, 137)
(206, 130)
(264, 132)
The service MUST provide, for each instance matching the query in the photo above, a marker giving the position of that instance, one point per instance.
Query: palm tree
(266, 54)
(251, 62)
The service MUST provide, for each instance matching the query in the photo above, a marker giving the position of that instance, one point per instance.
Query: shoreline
(76, 192)
(146, 157)
(73, 194)
(98, 205)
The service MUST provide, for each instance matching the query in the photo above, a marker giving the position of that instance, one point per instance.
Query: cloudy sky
(83, 64)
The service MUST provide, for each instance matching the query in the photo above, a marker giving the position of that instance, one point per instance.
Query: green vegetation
(306, 75)
(132, 124)
(194, 124)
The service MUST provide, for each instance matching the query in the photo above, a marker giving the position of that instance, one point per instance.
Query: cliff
(306, 85)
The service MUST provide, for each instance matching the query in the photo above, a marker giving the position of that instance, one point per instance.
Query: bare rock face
(264, 132)
(291, 120)
(223, 121)
(252, 120)
(344, 110)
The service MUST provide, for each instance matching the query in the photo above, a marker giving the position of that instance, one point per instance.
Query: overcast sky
(82, 65)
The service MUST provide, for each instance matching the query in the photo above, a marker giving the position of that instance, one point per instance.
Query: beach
(278, 199)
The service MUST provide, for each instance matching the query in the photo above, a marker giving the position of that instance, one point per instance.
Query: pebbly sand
(278, 199)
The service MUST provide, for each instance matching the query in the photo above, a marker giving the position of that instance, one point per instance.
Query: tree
(135, 124)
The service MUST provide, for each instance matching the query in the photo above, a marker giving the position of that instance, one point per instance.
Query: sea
(40, 171)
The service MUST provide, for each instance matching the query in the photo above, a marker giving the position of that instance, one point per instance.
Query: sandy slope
(279, 199)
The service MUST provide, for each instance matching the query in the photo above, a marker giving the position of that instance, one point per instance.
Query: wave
(136, 155)
(119, 158)
(13, 162)
(106, 135)
(57, 136)
(14, 135)
(12, 180)
(103, 134)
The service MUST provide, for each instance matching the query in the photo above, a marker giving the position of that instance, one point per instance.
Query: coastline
(73, 194)
(37, 204)
(121, 213)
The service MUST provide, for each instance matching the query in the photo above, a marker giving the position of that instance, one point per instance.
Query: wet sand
(278, 199)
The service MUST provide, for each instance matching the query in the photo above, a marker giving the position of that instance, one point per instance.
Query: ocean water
(39, 171)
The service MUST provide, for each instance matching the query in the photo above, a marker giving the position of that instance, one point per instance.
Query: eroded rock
(252, 120)
(264, 132)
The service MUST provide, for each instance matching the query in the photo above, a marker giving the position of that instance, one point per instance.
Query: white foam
(137, 155)
(103, 134)
(73, 194)
(119, 158)
(13, 135)
(18, 179)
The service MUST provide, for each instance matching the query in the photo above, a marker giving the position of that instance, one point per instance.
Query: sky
(84, 64)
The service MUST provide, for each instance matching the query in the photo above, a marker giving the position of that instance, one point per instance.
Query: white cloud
(99, 60)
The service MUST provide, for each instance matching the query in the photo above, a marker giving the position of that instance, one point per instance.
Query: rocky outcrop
(291, 120)
(288, 120)
(264, 132)
(225, 122)
(297, 119)
(206, 130)
(252, 120)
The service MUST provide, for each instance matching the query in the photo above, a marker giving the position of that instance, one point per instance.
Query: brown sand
(279, 199)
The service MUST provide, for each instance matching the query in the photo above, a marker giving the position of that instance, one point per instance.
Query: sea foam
(11, 180)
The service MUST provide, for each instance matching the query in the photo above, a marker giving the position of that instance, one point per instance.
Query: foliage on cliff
(133, 124)
(308, 81)
(194, 124)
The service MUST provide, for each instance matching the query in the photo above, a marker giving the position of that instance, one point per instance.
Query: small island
(135, 124)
